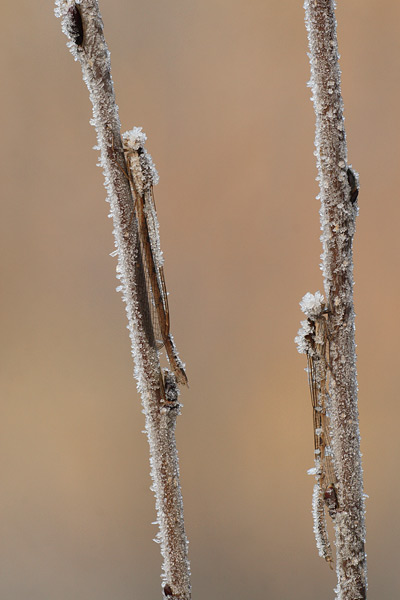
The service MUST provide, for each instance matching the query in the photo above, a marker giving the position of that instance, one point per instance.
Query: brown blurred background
(220, 88)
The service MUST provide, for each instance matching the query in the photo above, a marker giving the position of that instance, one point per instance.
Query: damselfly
(142, 177)
(313, 340)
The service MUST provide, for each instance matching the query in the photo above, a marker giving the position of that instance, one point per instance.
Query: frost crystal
(134, 138)
(302, 338)
(312, 305)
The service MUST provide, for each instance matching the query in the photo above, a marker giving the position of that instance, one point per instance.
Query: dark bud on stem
(351, 178)
(75, 25)
(167, 591)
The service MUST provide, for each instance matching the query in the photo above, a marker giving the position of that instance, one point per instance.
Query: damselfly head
(141, 165)
(134, 139)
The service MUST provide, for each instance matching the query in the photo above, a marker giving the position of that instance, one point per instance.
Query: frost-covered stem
(338, 213)
(82, 23)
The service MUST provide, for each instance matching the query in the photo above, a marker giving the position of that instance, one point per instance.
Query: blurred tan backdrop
(220, 88)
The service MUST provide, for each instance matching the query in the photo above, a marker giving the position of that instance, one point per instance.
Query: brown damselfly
(313, 340)
(142, 177)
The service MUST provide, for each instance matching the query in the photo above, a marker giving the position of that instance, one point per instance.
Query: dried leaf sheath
(142, 177)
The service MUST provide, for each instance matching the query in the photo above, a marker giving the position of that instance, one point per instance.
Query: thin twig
(82, 23)
(338, 195)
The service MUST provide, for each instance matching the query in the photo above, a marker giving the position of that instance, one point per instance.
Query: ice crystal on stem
(312, 305)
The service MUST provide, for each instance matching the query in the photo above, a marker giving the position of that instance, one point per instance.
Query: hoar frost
(312, 306)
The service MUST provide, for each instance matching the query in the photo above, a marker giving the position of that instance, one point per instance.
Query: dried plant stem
(338, 213)
(82, 23)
